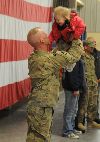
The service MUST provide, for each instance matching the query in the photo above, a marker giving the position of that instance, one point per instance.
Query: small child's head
(90, 44)
(61, 14)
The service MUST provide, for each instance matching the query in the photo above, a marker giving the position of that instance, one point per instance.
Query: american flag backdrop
(17, 17)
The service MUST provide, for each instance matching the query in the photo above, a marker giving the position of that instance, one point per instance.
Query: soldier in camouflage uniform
(92, 85)
(44, 74)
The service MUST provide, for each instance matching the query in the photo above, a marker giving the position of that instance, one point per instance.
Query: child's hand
(76, 93)
(98, 80)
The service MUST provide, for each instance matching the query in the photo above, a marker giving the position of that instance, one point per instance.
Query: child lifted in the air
(67, 28)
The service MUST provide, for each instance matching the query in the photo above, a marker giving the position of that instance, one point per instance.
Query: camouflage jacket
(90, 70)
(44, 73)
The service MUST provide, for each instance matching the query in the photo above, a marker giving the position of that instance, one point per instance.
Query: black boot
(97, 120)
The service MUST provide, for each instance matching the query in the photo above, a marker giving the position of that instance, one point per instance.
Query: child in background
(72, 83)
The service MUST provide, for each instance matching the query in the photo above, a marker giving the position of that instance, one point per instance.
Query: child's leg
(69, 109)
(75, 112)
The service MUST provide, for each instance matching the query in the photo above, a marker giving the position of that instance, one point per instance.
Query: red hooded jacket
(76, 29)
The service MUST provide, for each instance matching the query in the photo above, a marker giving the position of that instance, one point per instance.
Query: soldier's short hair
(32, 32)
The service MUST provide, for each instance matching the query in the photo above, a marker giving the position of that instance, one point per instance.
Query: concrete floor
(13, 126)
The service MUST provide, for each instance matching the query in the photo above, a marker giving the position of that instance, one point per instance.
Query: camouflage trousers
(88, 105)
(39, 123)
(82, 108)
(92, 103)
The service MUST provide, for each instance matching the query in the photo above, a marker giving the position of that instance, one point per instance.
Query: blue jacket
(75, 80)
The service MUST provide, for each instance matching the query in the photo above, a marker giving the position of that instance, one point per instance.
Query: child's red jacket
(76, 28)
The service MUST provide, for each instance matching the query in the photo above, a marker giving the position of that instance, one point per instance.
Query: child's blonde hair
(62, 11)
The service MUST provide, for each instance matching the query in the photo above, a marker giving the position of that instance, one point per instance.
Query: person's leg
(97, 119)
(75, 112)
(67, 125)
(75, 131)
(70, 104)
(92, 108)
(82, 106)
(39, 124)
(82, 109)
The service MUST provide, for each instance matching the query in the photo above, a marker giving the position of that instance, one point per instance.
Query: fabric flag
(17, 17)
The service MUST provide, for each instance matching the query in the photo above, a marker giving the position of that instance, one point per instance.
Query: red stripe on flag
(12, 50)
(25, 11)
(13, 93)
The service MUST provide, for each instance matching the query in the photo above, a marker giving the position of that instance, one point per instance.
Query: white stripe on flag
(45, 3)
(15, 29)
(11, 72)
